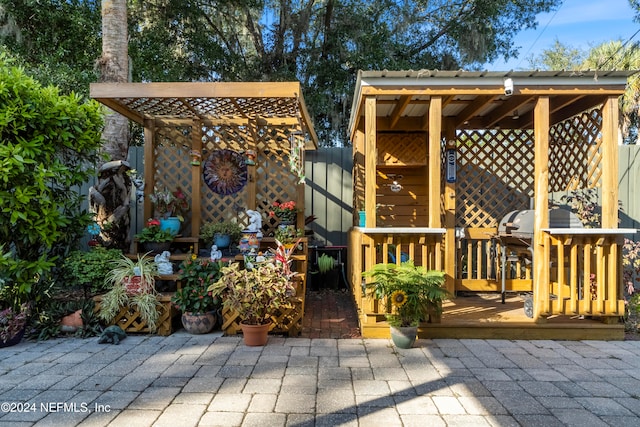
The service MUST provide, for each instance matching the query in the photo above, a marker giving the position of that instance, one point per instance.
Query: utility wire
(539, 35)
(599, 66)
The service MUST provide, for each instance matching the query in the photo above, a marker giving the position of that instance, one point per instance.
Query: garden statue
(216, 254)
(163, 263)
(255, 222)
(112, 334)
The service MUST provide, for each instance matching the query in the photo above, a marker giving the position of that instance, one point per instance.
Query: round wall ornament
(225, 172)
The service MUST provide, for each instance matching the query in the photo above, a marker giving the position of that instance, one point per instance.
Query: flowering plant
(285, 211)
(412, 291)
(12, 322)
(169, 203)
(153, 233)
(195, 276)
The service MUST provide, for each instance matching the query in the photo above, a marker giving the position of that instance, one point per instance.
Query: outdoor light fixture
(515, 116)
(508, 86)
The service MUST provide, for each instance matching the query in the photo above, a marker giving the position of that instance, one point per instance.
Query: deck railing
(369, 246)
(585, 273)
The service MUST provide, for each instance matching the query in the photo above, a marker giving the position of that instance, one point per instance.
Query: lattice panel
(402, 149)
(495, 175)
(274, 180)
(575, 156)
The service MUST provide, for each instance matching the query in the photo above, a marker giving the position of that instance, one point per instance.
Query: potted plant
(132, 285)
(198, 305)
(13, 322)
(255, 294)
(286, 212)
(154, 239)
(409, 293)
(170, 208)
(222, 234)
(288, 236)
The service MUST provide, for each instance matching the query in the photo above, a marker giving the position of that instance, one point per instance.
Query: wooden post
(435, 162)
(370, 160)
(541, 205)
(450, 220)
(196, 170)
(610, 163)
(149, 167)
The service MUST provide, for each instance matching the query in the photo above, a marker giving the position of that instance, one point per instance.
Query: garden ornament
(255, 222)
(216, 254)
(163, 263)
(112, 334)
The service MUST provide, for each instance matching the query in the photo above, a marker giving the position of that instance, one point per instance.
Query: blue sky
(579, 24)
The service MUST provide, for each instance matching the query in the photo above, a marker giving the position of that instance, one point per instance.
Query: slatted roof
(477, 100)
(213, 103)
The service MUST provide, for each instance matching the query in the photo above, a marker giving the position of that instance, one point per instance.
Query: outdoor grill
(516, 227)
(515, 234)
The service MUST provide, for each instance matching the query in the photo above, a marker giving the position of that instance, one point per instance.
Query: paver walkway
(209, 380)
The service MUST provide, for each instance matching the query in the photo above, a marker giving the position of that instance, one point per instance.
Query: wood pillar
(196, 186)
(450, 219)
(370, 160)
(541, 205)
(610, 163)
(435, 161)
(149, 163)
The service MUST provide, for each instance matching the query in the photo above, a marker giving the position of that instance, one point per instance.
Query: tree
(110, 197)
(48, 144)
(613, 55)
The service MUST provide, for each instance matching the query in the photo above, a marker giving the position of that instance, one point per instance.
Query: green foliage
(408, 289)
(153, 233)
(89, 268)
(210, 229)
(49, 144)
(196, 275)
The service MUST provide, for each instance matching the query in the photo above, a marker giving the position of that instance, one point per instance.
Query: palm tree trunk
(110, 197)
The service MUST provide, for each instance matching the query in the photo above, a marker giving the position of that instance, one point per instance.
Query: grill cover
(519, 224)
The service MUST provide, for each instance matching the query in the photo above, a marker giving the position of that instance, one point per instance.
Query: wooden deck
(483, 316)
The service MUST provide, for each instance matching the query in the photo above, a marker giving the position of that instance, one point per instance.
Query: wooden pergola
(181, 118)
(462, 149)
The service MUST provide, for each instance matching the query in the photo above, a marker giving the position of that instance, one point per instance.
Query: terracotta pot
(403, 336)
(199, 323)
(255, 335)
(72, 322)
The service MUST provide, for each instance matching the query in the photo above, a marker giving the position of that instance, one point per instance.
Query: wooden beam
(505, 110)
(149, 161)
(541, 204)
(472, 109)
(399, 109)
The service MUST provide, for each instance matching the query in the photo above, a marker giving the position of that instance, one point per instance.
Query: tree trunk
(110, 197)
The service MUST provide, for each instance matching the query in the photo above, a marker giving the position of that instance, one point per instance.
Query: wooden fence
(329, 191)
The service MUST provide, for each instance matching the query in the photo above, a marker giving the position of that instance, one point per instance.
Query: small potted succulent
(198, 305)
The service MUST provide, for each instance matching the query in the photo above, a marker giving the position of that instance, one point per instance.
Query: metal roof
(477, 99)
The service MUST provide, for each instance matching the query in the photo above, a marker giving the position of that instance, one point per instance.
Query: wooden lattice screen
(495, 175)
(273, 180)
(496, 167)
(574, 158)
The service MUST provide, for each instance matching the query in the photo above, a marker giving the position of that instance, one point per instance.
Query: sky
(579, 24)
